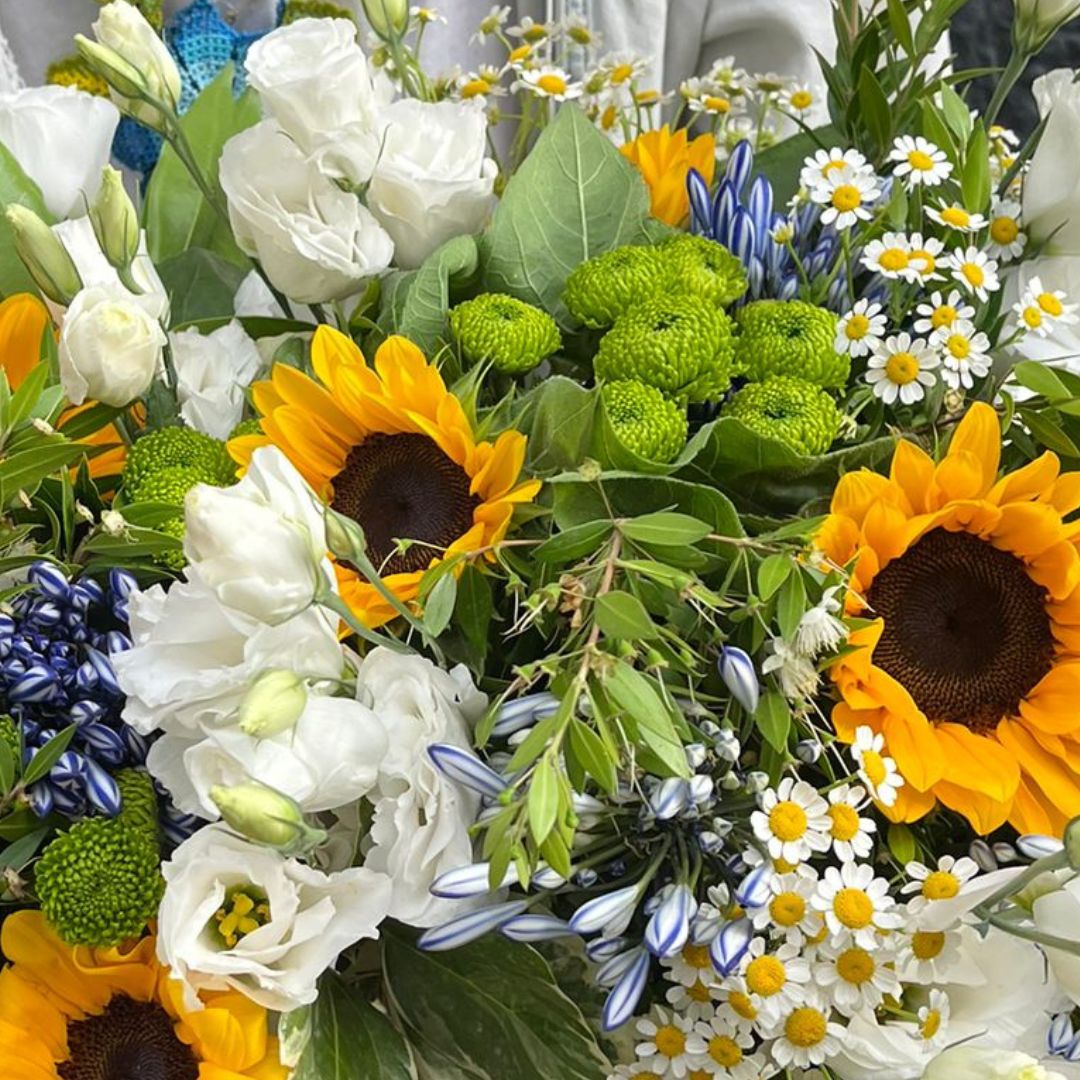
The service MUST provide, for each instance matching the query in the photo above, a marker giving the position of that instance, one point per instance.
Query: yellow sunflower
(970, 667)
(664, 160)
(391, 448)
(72, 1013)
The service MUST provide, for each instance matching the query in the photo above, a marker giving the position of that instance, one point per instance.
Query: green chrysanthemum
(790, 337)
(100, 882)
(313, 9)
(794, 411)
(513, 335)
(697, 266)
(609, 285)
(644, 420)
(9, 733)
(138, 800)
(251, 426)
(682, 345)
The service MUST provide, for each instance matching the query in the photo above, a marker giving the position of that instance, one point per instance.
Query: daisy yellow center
(830, 166)
(1050, 304)
(925, 263)
(802, 99)
(893, 259)
(670, 1041)
(551, 83)
(973, 273)
(902, 368)
(805, 1027)
(647, 97)
(920, 160)
(931, 1025)
(475, 88)
(698, 992)
(787, 909)
(959, 346)
(766, 976)
(853, 908)
(693, 1074)
(787, 821)
(717, 104)
(522, 52)
(1033, 316)
(873, 765)
(742, 1005)
(1004, 230)
(697, 956)
(857, 327)
(855, 966)
(782, 866)
(956, 216)
(536, 32)
(608, 117)
(847, 197)
(944, 315)
(242, 913)
(621, 73)
(822, 931)
(725, 1051)
(927, 944)
(845, 822)
(941, 885)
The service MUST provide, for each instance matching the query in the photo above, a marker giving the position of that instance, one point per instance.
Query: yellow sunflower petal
(910, 805)
(1027, 529)
(330, 349)
(23, 319)
(1051, 776)
(1057, 569)
(1035, 480)
(295, 388)
(983, 812)
(978, 763)
(960, 476)
(231, 1031)
(1032, 813)
(1065, 494)
(912, 471)
(979, 434)
(913, 745)
(857, 492)
(24, 1008)
(1051, 705)
(24, 1056)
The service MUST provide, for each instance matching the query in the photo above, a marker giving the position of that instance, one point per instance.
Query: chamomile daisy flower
(860, 329)
(690, 965)
(928, 956)
(799, 99)
(846, 196)
(788, 913)
(954, 216)
(549, 82)
(924, 256)
(1039, 309)
(724, 1052)
(478, 86)
(901, 368)
(492, 22)
(805, 1036)
(943, 882)
(826, 162)
(622, 68)
(934, 1020)
(580, 33)
(774, 980)
(636, 1071)
(737, 1008)
(964, 354)
(531, 31)
(919, 161)
(890, 257)
(1006, 239)
(877, 771)
(856, 978)
(974, 270)
(664, 1049)
(942, 312)
(714, 103)
(850, 833)
(725, 72)
(857, 906)
(793, 821)
(696, 1001)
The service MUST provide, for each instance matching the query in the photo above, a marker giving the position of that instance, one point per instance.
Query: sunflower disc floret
(682, 345)
(793, 411)
(790, 337)
(513, 335)
(644, 420)
(698, 266)
(609, 285)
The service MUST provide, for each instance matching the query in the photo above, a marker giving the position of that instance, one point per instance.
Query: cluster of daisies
(948, 280)
(817, 946)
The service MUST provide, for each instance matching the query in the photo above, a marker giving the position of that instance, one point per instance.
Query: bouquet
(495, 585)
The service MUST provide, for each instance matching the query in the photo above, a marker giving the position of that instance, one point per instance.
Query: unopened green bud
(265, 816)
(43, 255)
(388, 18)
(344, 537)
(1071, 840)
(115, 222)
(123, 77)
(274, 703)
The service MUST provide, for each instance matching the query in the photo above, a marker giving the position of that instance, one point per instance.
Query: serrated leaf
(772, 573)
(440, 604)
(773, 719)
(46, 757)
(666, 528)
(622, 615)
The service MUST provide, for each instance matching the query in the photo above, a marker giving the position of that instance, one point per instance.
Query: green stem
(1057, 861)
(1048, 941)
(334, 603)
(1018, 61)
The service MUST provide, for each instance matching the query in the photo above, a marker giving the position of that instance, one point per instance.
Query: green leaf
(18, 854)
(900, 24)
(902, 843)
(669, 529)
(792, 604)
(7, 768)
(874, 107)
(474, 609)
(1047, 432)
(558, 417)
(622, 615)
(349, 1039)
(491, 1009)
(773, 718)
(575, 196)
(176, 215)
(957, 114)
(975, 182)
(200, 284)
(26, 469)
(16, 188)
(593, 756)
(574, 543)
(634, 693)
(937, 131)
(772, 573)
(1041, 379)
(543, 799)
(440, 604)
(48, 755)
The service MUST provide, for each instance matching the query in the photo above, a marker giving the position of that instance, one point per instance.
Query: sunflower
(664, 161)
(392, 449)
(75, 1013)
(969, 663)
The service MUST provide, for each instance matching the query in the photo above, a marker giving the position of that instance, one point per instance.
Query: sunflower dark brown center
(966, 630)
(403, 487)
(130, 1040)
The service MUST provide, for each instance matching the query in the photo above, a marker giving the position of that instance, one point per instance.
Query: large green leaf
(346, 1038)
(491, 1009)
(201, 285)
(575, 196)
(16, 187)
(782, 163)
(177, 216)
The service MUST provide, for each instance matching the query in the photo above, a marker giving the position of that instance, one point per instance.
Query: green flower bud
(344, 537)
(644, 420)
(792, 411)
(274, 703)
(513, 335)
(115, 222)
(43, 255)
(790, 337)
(265, 816)
(388, 18)
(123, 77)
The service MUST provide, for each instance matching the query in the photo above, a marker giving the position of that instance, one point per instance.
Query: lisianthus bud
(112, 67)
(388, 18)
(274, 703)
(344, 537)
(982, 1063)
(1038, 20)
(266, 816)
(115, 222)
(43, 255)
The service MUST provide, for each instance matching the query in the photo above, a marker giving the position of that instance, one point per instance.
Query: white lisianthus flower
(433, 180)
(212, 372)
(62, 139)
(275, 950)
(1058, 913)
(315, 241)
(422, 819)
(1051, 202)
(260, 544)
(111, 347)
(975, 1063)
(328, 759)
(193, 659)
(313, 79)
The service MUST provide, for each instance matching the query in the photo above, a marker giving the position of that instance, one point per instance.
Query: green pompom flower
(138, 800)
(682, 345)
(9, 734)
(644, 420)
(790, 337)
(513, 335)
(251, 426)
(609, 285)
(313, 9)
(100, 883)
(697, 266)
(793, 411)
